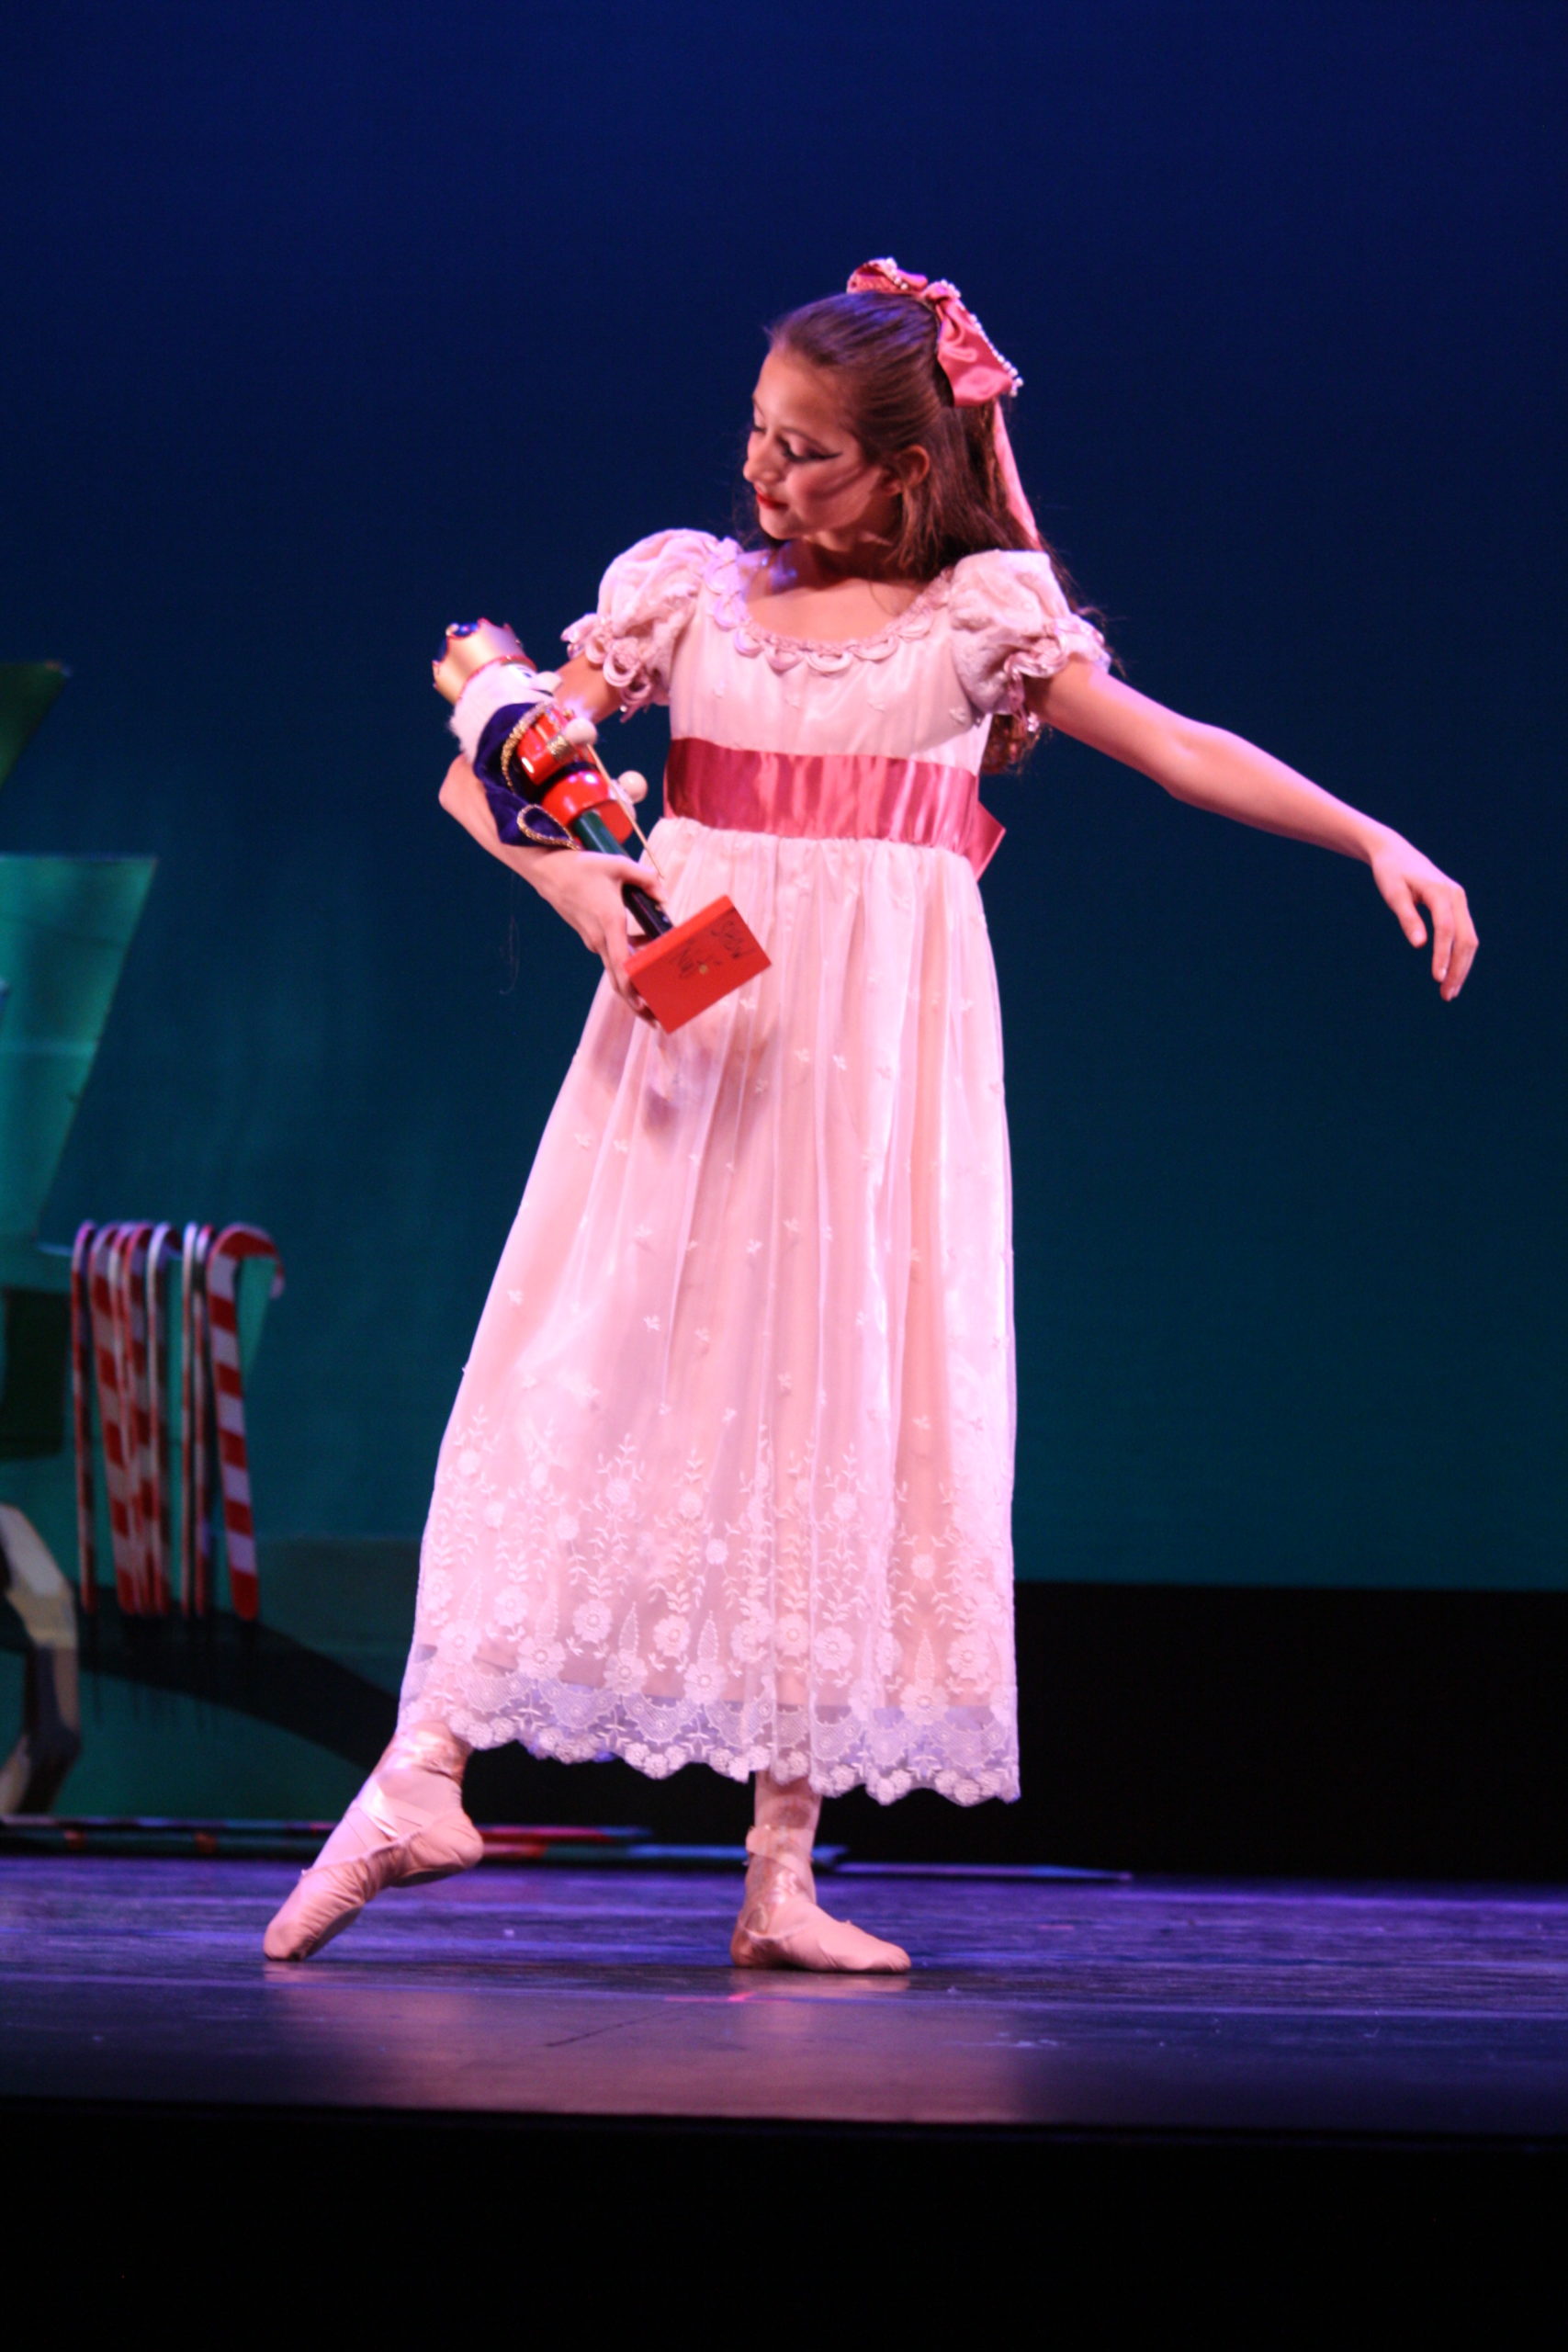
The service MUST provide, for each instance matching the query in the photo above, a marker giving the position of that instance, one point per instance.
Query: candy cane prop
(122, 1310)
(195, 1528)
(111, 1412)
(235, 1243)
(82, 1417)
(122, 1530)
(155, 1475)
(129, 1295)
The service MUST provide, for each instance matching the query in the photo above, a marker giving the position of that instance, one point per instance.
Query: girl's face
(812, 478)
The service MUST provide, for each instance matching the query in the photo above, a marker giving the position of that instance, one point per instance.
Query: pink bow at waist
(831, 796)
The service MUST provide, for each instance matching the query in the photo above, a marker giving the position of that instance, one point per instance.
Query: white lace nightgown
(729, 1473)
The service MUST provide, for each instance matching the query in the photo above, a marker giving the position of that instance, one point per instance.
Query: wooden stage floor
(1334, 2014)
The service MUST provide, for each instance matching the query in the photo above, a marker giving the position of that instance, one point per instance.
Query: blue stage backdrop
(325, 325)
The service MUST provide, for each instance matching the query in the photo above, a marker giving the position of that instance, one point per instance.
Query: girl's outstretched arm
(1212, 769)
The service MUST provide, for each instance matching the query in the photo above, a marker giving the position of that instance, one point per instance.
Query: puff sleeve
(1010, 621)
(646, 599)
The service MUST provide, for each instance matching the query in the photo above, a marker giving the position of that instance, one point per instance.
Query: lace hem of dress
(965, 1754)
(726, 576)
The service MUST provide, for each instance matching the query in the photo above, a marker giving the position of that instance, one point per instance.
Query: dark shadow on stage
(1210, 1730)
(1174, 1729)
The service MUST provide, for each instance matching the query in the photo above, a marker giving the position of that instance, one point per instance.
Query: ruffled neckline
(727, 577)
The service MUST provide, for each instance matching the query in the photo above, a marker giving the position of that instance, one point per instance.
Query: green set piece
(66, 924)
(28, 690)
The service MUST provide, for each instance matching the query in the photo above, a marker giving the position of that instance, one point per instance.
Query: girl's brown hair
(882, 347)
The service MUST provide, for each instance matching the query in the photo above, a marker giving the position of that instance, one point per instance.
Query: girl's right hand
(584, 887)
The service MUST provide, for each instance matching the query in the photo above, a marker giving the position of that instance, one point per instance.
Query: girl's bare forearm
(1208, 768)
(585, 687)
(1205, 766)
(463, 796)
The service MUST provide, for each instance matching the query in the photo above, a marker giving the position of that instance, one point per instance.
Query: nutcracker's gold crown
(472, 646)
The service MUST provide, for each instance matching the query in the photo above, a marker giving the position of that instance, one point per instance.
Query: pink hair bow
(966, 356)
(965, 352)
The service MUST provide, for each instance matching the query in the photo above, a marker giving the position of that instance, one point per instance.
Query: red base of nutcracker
(705, 957)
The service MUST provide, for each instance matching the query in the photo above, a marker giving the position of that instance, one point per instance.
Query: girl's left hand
(1409, 882)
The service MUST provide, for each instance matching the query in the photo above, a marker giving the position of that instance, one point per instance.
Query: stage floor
(1137, 2008)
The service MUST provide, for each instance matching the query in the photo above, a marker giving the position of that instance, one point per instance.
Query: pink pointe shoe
(406, 1826)
(782, 1925)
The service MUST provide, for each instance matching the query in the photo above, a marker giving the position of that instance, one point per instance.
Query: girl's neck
(806, 563)
(830, 604)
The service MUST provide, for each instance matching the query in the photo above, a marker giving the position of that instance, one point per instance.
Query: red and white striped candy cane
(131, 1337)
(111, 1410)
(235, 1243)
(194, 1529)
(123, 1527)
(156, 1474)
(121, 1310)
(82, 1417)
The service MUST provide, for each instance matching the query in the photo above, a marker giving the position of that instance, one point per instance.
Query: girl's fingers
(613, 948)
(1454, 942)
(631, 869)
(588, 893)
(613, 952)
(1465, 945)
(1401, 900)
(1441, 905)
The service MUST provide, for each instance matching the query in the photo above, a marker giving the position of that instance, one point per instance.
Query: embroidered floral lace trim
(965, 1762)
(804, 1626)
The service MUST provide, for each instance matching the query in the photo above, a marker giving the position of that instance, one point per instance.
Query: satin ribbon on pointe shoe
(390, 1836)
(782, 1925)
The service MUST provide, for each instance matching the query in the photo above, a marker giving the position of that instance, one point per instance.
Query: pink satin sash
(831, 796)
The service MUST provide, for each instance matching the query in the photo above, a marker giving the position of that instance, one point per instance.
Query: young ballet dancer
(728, 1479)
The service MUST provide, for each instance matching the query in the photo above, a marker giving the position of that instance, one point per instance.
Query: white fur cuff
(499, 685)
